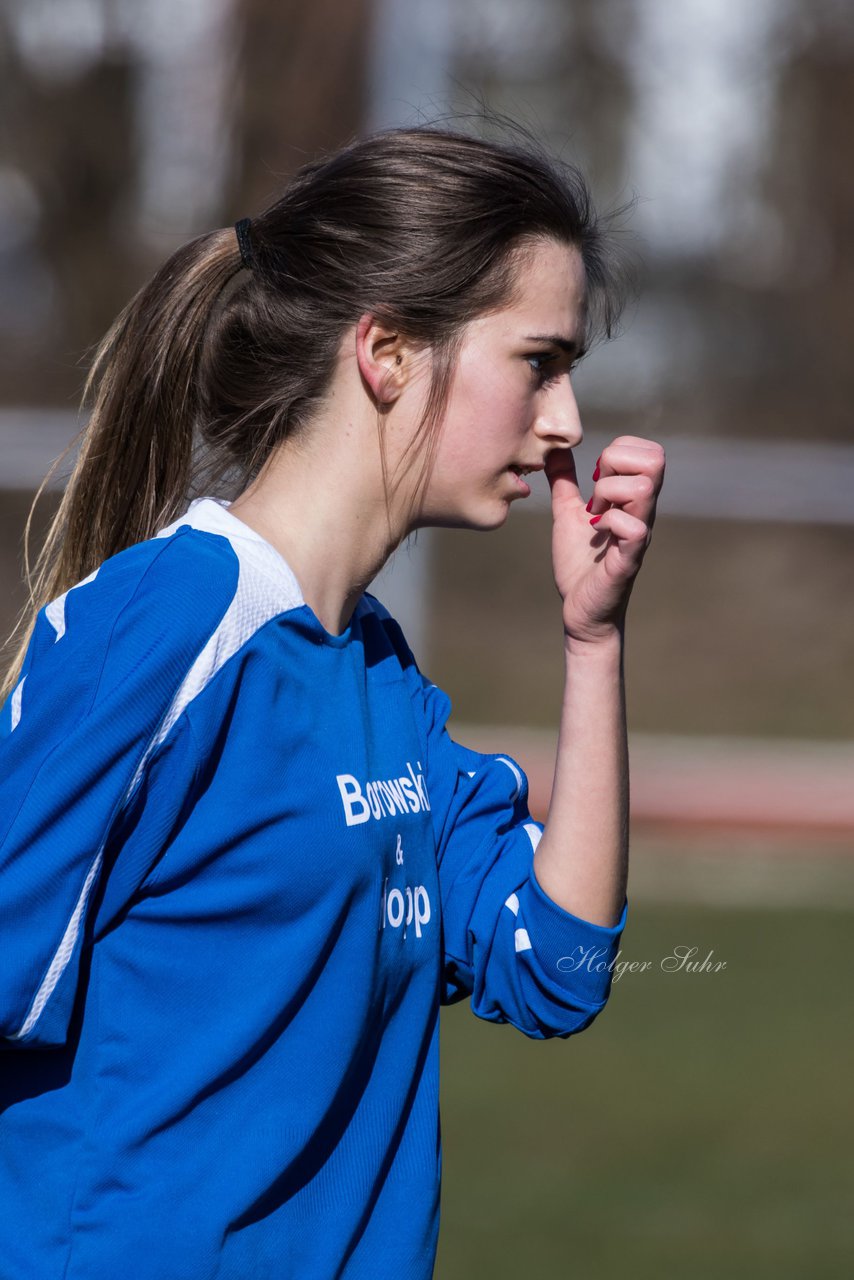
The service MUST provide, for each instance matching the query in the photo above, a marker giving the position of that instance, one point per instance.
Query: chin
(497, 521)
(484, 518)
(489, 513)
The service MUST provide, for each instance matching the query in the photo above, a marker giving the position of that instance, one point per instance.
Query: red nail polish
(589, 505)
(596, 472)
(595, 518)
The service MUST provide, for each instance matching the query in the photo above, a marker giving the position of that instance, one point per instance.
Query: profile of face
(511, 399)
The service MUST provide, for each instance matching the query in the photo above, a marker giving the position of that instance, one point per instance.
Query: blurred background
(703, 1125)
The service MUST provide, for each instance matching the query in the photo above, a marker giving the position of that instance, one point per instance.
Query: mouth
(520, 472)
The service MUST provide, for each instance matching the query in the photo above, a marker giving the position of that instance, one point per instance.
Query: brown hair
(211, 366)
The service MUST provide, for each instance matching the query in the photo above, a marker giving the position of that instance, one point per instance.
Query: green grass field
(702, 1127)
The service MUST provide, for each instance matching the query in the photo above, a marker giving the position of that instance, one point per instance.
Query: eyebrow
(568, 345)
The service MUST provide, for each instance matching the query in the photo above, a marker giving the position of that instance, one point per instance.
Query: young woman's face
(511, 400)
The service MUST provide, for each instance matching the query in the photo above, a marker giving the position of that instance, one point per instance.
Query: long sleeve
(522, 958)
(101, 672)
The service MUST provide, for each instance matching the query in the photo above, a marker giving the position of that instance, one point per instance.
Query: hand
(595, 565)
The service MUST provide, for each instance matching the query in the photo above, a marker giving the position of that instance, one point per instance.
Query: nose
(558, 421)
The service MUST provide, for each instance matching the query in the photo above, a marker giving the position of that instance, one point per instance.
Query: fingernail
(596, 472)
(589, 505)
(595, 518)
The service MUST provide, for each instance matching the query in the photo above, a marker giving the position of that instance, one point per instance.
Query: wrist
(607, 644)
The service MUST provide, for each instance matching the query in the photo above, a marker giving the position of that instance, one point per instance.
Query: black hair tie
(247, 257)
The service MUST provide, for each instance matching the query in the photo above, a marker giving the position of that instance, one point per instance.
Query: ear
(381, 354)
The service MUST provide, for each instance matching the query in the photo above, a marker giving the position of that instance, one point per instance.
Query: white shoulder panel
(211, 515)
(16, 703)
(266, 587)
(55, 611)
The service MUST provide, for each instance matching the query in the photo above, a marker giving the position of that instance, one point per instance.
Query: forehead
(549, 298)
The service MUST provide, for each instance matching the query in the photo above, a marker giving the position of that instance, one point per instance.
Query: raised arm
(581, 861)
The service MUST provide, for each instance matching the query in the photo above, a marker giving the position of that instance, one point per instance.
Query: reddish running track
(709, 784)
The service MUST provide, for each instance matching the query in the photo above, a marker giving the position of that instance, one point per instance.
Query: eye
(547, 368)
(540, 362)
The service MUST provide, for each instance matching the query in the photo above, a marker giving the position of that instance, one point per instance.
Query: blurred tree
(552, 63)
(72, 138)
(808, 312)
(766, 315)
(303, 89)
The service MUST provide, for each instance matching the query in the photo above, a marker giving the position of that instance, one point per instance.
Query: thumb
(561, 475)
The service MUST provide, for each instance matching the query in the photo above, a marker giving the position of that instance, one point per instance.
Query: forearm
(581, 861)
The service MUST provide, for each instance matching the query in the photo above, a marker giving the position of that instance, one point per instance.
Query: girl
(242, 863)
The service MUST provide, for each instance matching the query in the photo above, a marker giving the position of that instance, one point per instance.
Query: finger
(634, 493)
(562, 475)
(641, 440)
(631, 455)
(629, 535)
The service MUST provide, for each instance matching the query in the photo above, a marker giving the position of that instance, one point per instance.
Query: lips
(524, 489)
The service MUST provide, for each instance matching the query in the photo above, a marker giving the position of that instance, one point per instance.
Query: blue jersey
(242, 864)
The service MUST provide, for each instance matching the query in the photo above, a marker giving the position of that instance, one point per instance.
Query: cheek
(456, 457)
(482, 430)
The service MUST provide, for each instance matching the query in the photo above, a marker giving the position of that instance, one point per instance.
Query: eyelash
(541, 376)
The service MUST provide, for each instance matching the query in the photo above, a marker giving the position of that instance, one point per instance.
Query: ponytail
(134, 466)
